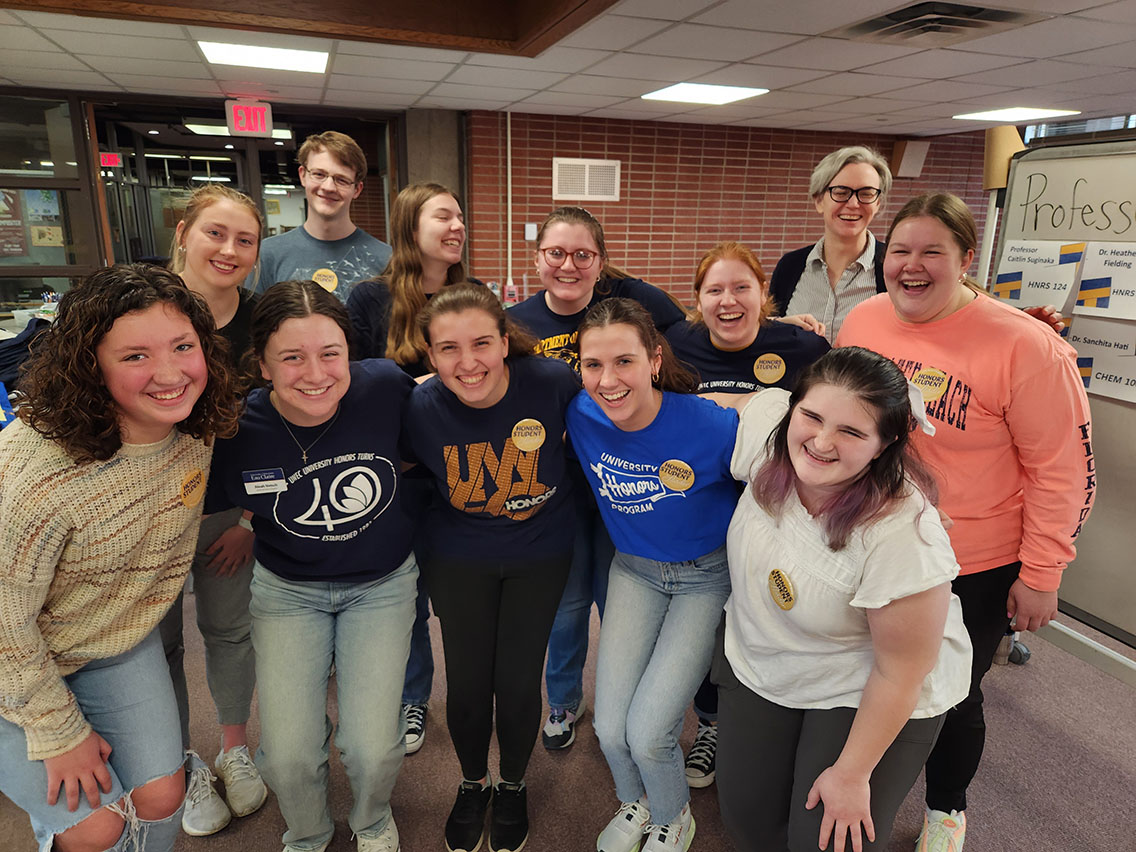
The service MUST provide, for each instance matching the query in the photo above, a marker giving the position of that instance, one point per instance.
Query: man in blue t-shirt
(328, 248)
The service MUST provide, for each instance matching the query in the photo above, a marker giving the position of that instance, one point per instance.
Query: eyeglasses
(865, 194)
(319, 176)
(581, 258)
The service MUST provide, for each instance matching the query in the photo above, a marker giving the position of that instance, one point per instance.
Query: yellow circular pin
(769, 368)
(932, 383)
(528, 435)
(193, 488)
(781, 589)
(326, 278)
(676, 474)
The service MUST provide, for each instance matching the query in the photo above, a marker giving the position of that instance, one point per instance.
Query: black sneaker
(415, 716)
(466, 826)
(509, 825)
(700, 762)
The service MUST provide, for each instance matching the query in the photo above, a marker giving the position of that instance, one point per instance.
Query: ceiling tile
(948, 90)
(309, 94)
(1054, 7)
(399, 51)
(1042, 98)
(718, 43)
(48, 21)
(832, 54)
(157, 67)
(81, 44)
(1117, 55)
(569, 99)
(851, 83)
(1123, 12)
(547, 109)
(659, 68)
(617, 86)
(875, 106)
(666, 10)
(619, 112)
(1052, 38)
(782, 99)
(150, 83)
(236, 74)
(60, 77)
(759, 76)
(612, 32)
(9, 18)
(564, 59)
(15, 59)
(807, 17)
(368, 100)
(482, 75)
(387, 85)
(24, 38)
(734, 112)
(1117, 83)
(1038, 73)
(405, 69)
(937, 64)
(495, 93)
(432, 102)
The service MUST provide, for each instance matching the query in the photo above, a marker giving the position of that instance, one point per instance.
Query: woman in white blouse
(843, 645)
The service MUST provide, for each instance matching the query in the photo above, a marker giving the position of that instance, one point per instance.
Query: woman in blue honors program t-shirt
(489, 428)
(316, 461)
(658, 459)
(736, 349)
(576, 273)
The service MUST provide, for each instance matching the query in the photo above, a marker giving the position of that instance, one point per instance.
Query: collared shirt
(814, 295)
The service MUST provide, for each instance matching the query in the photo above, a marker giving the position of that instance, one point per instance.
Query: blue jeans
(592, 552)
(298, 630)
(655, 646)
(129, 701)
(417, 492)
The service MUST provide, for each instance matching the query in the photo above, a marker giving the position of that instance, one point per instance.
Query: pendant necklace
(303, 449)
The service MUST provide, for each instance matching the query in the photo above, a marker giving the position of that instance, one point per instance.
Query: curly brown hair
(63, 396)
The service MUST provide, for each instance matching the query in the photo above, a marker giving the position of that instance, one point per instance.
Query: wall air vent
(929, 25)
(574, 179)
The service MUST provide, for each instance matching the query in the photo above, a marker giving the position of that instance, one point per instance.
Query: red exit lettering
(249, 119)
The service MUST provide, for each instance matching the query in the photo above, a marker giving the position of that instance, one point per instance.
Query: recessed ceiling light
(278, 142)
(152, 132)
(211, 159)
(164, 156)
(212, 178)
(230, 146)
(223, 130)
(275, 58)
(703, 93)
(268, 191)
(1015, 115)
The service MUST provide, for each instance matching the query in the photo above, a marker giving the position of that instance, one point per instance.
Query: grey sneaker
(205, 811)
(244, 790)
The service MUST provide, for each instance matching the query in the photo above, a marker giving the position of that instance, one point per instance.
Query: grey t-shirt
(337, 265)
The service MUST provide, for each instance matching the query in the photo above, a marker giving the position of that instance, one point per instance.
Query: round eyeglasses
(865, 194)
(581, 258)
(319, 176)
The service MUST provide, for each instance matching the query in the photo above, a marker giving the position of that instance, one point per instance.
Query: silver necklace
(303, 449)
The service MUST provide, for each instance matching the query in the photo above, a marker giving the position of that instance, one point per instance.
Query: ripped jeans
(144, 733)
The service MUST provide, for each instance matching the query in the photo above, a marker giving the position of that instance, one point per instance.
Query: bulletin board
(1069, 238)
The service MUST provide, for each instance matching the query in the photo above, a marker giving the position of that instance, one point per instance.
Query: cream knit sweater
(93, 557)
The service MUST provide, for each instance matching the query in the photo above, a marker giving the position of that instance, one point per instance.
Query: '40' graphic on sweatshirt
(353, 494)
(480, 482)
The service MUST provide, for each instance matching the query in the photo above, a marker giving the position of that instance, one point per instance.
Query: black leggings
(495, 617)
(954, 761)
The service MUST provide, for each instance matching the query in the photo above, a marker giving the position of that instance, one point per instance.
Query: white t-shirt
(818, 654)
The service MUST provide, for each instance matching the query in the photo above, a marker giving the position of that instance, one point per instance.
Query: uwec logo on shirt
(335, 499)
(633, 488)
(508, 486)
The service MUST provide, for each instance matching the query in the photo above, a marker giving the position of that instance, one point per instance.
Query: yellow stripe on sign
(1095, 293)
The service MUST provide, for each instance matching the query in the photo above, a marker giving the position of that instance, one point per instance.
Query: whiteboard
(1088, 193)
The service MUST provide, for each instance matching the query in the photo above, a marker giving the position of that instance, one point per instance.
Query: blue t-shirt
(557, 332)
(340, 516)
(778, 353)
(336, 265)
(665, 492)
(499, 471)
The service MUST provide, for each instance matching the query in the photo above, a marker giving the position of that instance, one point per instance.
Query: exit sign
(109, 159)
(249, 118)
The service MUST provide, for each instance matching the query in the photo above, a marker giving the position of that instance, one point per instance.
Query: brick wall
(683, 188)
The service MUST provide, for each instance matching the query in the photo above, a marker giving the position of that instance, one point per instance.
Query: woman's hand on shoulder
(85, 767)
(806, 321)
(846, 800)
(729, 400)
(1049, 315)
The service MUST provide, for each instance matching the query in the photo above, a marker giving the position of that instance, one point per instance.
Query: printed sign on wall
(1108, 281)
(1038, 272)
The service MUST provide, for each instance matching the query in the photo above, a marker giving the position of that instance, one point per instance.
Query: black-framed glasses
(319, 176)
(865, 194)
(555, 256)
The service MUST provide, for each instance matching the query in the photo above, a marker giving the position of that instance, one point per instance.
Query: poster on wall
(1038, 272)
(1108, 281)
(41, 204)
(47, 235)
(1106, 355)
(13, 240)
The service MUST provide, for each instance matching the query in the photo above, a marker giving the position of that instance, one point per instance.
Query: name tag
(267, 481)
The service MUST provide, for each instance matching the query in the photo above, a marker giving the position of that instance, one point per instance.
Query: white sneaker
(321, 848)
(625, 831)
(205, 811)
(386, 841)
(244, 789)
(415, 716)
(672, 837)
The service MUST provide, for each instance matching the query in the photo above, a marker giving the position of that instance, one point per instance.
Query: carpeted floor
(1059, 774)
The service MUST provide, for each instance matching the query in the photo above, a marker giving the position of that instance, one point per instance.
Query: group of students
(774, 517)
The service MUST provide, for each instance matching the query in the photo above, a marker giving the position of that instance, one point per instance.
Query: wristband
(245, 523)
